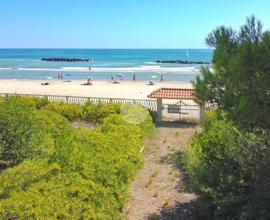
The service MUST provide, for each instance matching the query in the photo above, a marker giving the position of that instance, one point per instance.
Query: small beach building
(178, 94)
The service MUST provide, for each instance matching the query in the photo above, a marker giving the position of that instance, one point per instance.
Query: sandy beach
(126, 89)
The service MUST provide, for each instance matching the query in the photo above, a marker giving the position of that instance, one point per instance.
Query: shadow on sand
(178, 124)
(181, 211)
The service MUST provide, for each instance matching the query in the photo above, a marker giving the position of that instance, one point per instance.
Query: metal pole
(180, 110)
(159, 110)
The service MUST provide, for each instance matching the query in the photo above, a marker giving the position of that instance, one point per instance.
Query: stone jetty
(61, 59)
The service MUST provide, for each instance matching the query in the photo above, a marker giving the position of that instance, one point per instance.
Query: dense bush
(85, 174)
(41, 190)
(70, 111)
(54, 124)
(21, 135)
(97, 112)
(228, 163)
(35, 102)
(228, 169)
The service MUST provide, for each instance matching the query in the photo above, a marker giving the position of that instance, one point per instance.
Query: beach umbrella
(121, 76)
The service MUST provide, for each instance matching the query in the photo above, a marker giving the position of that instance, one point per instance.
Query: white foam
(151, 69)
(151, 63)
(38, 69)
(5, 68)
(145, 69)
(75, 68)
(63, 69)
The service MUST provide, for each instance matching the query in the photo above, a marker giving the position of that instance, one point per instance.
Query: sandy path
(157, 192)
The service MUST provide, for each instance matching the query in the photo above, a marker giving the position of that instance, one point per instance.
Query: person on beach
(112, 77)
(62, 76)
(161, 78)
(89, 81)
(121, 77)
(134, 77)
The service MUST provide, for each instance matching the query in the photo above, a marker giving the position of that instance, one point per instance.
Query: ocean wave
(19, 59)
(154, 69)
(38, 69)
(145, 69)
(5, 68)
(75, 69)
(151, 63)
(149, 67)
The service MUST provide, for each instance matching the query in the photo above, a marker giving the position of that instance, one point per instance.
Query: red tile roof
(172, 93)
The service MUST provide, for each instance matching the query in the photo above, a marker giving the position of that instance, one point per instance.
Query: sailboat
(187, 54)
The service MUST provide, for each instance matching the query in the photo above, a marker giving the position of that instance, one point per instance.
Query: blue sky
(120, 23)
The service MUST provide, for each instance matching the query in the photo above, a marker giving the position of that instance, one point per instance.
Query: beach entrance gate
(177, 102)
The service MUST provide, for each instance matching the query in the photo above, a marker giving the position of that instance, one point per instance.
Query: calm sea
(27, 64)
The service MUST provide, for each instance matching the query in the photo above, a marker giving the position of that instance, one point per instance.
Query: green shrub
(21, 135)
(36, 102)
(54, 123)
(97, 112)
(86, 173)
(88, 177)
(228, 170)
(70, 111)
(137, 114)
(38, 190)
(30, 101)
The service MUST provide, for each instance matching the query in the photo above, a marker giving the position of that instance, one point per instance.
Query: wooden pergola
(170, 93)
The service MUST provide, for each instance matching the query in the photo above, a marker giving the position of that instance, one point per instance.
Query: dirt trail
(157, 192)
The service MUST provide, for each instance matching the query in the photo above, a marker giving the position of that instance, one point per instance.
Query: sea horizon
(101, 48)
